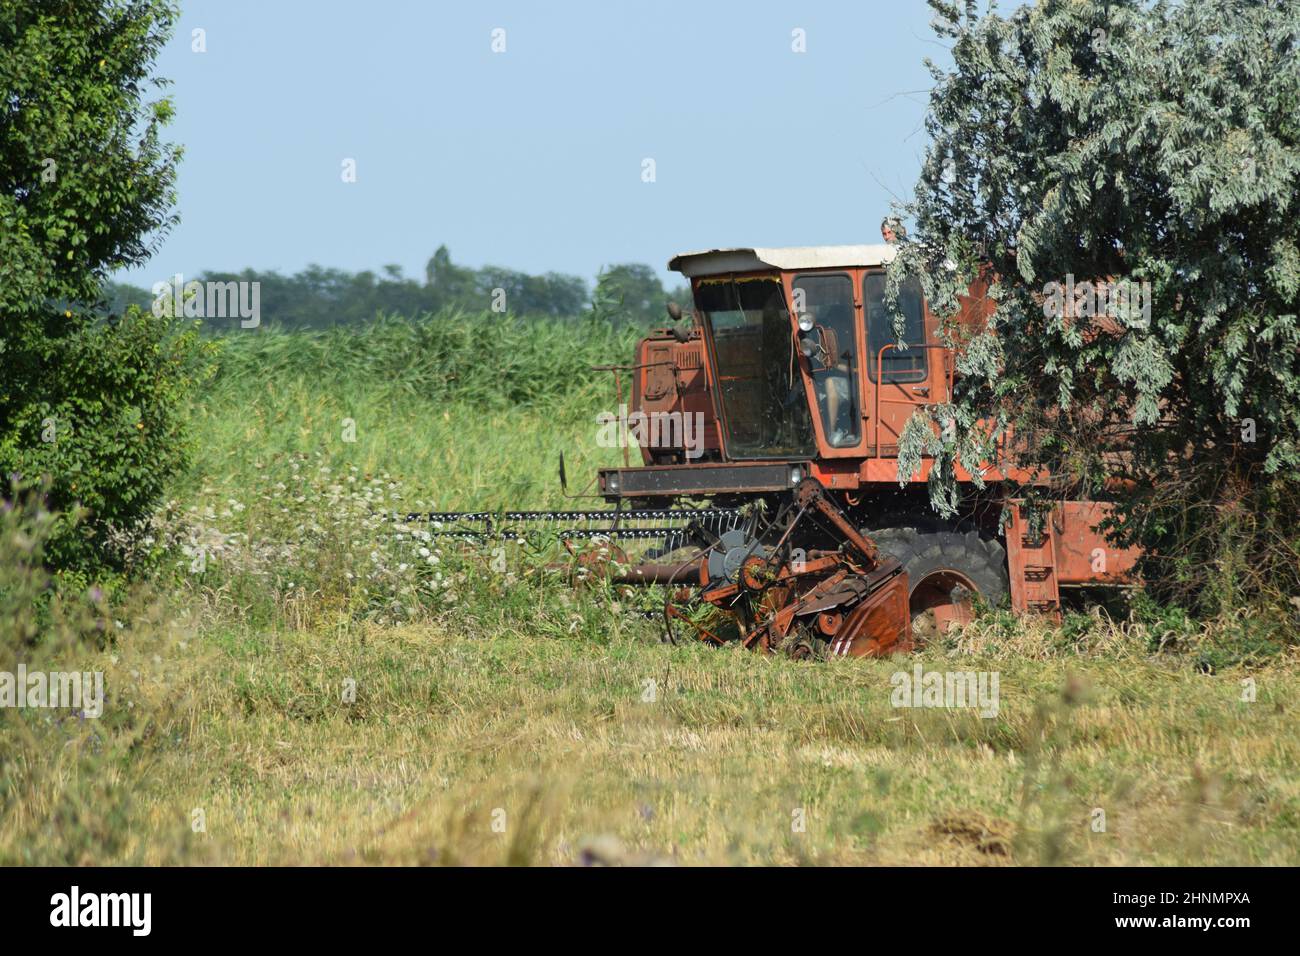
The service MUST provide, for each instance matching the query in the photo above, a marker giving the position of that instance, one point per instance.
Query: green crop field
(308, 681)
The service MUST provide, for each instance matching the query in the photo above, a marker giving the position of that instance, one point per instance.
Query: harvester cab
(793, 355)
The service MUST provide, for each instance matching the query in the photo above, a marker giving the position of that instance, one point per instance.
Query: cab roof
(790, 258)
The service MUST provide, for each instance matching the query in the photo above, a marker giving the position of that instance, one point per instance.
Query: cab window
(898, 365)
(764, 407)
(828, 301)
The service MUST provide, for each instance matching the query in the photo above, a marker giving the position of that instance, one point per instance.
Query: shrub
(100, 421)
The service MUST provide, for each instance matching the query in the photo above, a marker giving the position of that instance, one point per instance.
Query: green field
(306, 682)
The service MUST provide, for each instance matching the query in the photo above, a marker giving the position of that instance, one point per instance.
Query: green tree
(448, 282)
(636, 290)
(90, 408)
(1110, 140)
(556, 295)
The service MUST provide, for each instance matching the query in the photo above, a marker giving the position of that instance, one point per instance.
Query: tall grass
(490, 361)
(310, 442)
(70, 775)
(468, 411)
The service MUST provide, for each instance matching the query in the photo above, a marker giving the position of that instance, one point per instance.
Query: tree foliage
(90, 408)
(1102, 140)
(319, 297)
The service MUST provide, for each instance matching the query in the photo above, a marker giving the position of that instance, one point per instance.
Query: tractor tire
(940, 564)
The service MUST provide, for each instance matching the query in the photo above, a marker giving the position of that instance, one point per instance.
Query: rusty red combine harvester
(769, 485)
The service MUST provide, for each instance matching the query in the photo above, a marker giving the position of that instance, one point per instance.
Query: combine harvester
(792, 374)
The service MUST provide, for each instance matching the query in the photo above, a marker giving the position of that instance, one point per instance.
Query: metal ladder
(1031, 561)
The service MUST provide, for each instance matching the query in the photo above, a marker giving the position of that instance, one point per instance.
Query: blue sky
(532, 158)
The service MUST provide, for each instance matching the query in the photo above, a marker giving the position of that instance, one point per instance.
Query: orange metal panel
(673, 377)
(1083, 555)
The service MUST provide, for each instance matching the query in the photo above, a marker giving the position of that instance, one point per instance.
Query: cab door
(833, 373)
(898, 380)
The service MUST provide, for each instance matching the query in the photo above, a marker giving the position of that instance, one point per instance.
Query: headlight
(806, 323)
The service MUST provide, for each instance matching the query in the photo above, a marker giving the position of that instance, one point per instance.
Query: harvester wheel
(943, 568)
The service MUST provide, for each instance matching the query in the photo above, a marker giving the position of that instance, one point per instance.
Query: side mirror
(675, 313)
(807, 338)
(817, 341)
